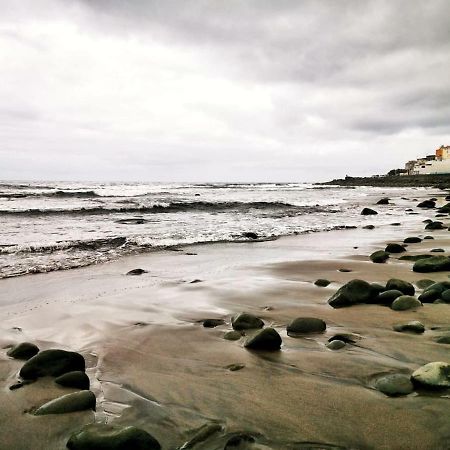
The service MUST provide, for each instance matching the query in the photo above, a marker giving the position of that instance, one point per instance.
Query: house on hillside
(432, 164)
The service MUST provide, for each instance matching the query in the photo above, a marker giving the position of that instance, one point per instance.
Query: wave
(54, 194)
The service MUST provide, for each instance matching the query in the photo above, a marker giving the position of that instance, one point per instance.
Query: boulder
(76, 401)
(414, 326)
(232, 335)
(368, 227)
(432, 375)
(443, 339)
(446, 296)
(52, 363)
(75, 379)
(245, 321)
(266, 339)
(136, 272)
(250, 235)
(424, 283)
(433, 264)
(412, 240)
(355, 291)
(368, 212)
(427, 204)
(239, 441)
(394, 385)
(25, 350)
(400, 285)
(305, 325)
(335, 344)
(322, 282)
(379, 256)
(99, 436)
(405, 302)
(428, 237)
(348, 338)
(212, 323)
(387, 297)
(441, 286)
(395, 248)
(383, 201)
(414, 257)
(377, 288)
(430, 295)
(434, 226)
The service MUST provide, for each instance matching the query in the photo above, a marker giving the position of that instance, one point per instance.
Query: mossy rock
(336, 344)
(266, 339)
(245, 321)
(379, 256)
(424, 283)
(405, 302)
(443, 339)
(430, 295)
(433, 264)
(394, 385)
(377, 288)
(446, 296)
(305, 325)
(353, 292)
(414, 257)
(321, 282)
(232, 335)
(400, 285)
(395, 248)
(434, 375)
(387, 297)
(76, 379)
(76, 401)
(25, 351)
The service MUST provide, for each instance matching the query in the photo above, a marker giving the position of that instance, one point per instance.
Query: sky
(197, 90)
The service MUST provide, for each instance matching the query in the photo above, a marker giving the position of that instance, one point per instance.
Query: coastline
(153, 365)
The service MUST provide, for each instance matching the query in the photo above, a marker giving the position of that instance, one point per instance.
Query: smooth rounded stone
(387, 297)
(99, 436)
(202, 434)
(368, 212)
(414, 257)
(434, 226)
(430, 295)
(353, 292)
(245, 321)
(424, 283)
(321, 282)
(239, 441)
(379, 256)
(76, 401)
(443, 339)
(383, 201)
(235, 367)
(136, 272)
(395, 248)
(414, 326)
(232, 335)
(348, 338)
(412, 240)
(52, 363)
(437, 250)
(212, 323)
(25, 350)
(344, 270)
(427, 221)
(305, 325)
(75, 379)
(440, 286)
(266, 339)
(433, 264)
(369, 227)
(377, 288)
(405, 302)
(433, 375)
(394, 385)
(427, 204)
(428, 237)
(400, 285)
(446, 296)
(336, 344)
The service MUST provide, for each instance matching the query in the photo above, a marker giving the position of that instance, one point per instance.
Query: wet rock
(414, 257)
(266, 339)
(368, 212)
(75, 379)
(437, 250)
(250, 235)
(368, 227)
(405, 302)
(76, 401)
(98, 436)
(387, 297)
(413, 326)
(394, 385)
(245, 321)
(232, 335)
(52, 363)
(441, 286)
(212, 323)
(321, 282)
(446, 296)
(377, 288)
(195, 281)
(429, 296)
(348, 338)
(345, 270)
(412, 240)
(20, 384)
(238, 441)
(202, 434)
(395, 248)
(427, 204)
(427, 221)
(336, 344)
(395, 224)
(25, 350)
(424, 283)
(136, 221)
(235, 367)
(443, 339)
(383, 201)
(433, 264)
(379, 256)
(400, 285)
(305, 325)
(434, 226)
(428, 237)
(432, 375)
(136, 272)
(355, 291)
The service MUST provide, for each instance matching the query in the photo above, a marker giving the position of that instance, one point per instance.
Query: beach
(152, 364)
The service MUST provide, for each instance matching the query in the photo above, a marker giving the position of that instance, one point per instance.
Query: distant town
(430, 164)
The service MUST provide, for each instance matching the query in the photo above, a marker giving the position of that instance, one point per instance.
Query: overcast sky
(220, 90)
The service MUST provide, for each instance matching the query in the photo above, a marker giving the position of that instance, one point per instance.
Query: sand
(153, 365)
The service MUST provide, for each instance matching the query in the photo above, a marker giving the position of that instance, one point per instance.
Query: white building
(432, 164)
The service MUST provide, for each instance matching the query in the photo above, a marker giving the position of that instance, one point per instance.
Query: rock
(136, 272)
(305, 325)
(322, 282)
(427, 221)
(395, 224)
(377, 288)
(395, 248)
(25, 350)
(383, 201)
(368, 227)
(75, 379)
(428, 237)
(235, 367)
(446, 296)
(355, 291)
(387, 297)
(437, 250)
(405, 302)
(368, 212)
(52, 363)
(345, 270)
(400, 285)
(433, 375)
(99, 436)
(441, 286)
(413, 326)
(212, 323)
(427, 204)
(412, 240)
(348, 338)
(394, 385)
(429, 296)
(414, 257)
(433, 264)
(266, 339)
(239, 441)
(136, 221)
(424, 283)
(250, 235)
(434, 226)
(336, 344)
(203, 433)
(443, 339)
(232, 335)
(379, 256)
(245, 321)
(76, 401)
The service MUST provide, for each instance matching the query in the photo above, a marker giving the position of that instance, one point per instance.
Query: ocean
(48, 226)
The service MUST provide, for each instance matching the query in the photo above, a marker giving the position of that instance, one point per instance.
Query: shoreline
(153, 365)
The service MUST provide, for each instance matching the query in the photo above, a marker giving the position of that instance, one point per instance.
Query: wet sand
(153, 365)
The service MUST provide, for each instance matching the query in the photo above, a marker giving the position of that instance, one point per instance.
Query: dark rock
(400, 285)
(394, 385)
(52, 363)
(136, 272)
(245, 321)
(238, 441)
(25, 350)
(433, 375)
(136, 221)
(212, 323)
(20, 384)
(428, 237)
(413, 326)
(348, 338)
(412, 240)
(232, 335)
(235, 367)
(379, 256)
(355, 291)
(322, 282)
(203, 433)
(387, 297)
(427, 204)
(368, 227)
(414, 257)
(443, 339)
(395, 248)
(434, 264)
(377, 288)
(75, 379)
(424, 283)
(250, 235)
(345, 270)
(395, 224)
(437, 250)
(446, 296)
(429, 296)
(427, 221)
(195, 281)
(98, 436)
(434, 226)
(383, 201)
(305, 325)
(405, 302)
(368, 212)
(266, 339)
(335, 344)
(76, 401)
